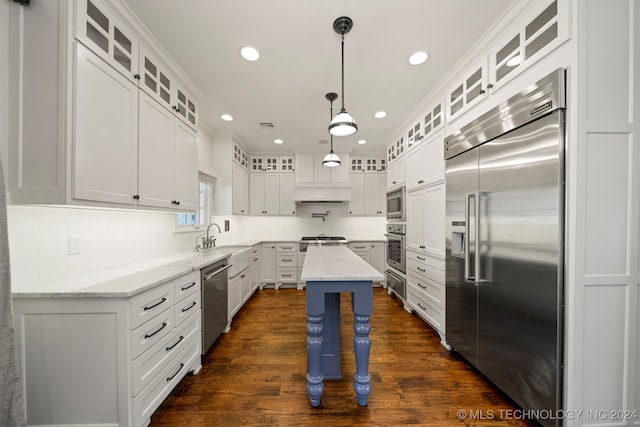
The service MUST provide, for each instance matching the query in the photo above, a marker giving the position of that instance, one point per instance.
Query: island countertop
(334, 263)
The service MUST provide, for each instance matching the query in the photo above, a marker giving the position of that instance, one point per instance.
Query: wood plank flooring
(255, 374)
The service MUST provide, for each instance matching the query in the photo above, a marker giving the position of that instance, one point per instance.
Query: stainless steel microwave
(395, 205)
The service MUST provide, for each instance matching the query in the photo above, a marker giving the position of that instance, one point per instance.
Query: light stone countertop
(337, 263)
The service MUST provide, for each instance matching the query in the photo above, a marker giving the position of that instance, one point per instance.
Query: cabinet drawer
(150, 333)
(359, 247)
(147, 401)
(186, 285)
(427, 310)
(286, 260)
(286, 247)
(147, 366)
(186, 307)
(433, 291)
(148, 305)
(287, 275)
(426, 266)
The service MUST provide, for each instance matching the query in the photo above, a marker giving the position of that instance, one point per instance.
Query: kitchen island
(328, 271)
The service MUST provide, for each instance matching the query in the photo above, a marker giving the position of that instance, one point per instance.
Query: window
(205, 197)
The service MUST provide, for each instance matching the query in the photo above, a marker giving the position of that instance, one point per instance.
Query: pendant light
(342, 124)
(331, 160)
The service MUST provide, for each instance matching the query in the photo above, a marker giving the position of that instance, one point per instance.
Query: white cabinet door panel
(105, 152)
(185, 154)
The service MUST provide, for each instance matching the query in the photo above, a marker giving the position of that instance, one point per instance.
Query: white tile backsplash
(39, 236)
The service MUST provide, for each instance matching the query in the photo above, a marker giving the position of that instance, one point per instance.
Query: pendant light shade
(342, 124)
(331, 160)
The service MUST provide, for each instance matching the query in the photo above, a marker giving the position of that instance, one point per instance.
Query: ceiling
(300, 62)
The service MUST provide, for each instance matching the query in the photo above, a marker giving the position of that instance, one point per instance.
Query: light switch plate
(74, 245)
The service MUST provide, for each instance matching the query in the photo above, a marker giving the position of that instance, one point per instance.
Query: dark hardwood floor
(255, 374)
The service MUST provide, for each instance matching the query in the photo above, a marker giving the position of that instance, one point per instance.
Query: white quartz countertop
(337, 263)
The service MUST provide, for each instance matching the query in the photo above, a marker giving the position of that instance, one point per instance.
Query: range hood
(322, 192)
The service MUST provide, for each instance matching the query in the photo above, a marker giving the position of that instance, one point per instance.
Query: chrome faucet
(207, 240)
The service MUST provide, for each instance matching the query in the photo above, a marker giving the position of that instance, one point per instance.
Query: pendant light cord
(330, 117)
(342, 48)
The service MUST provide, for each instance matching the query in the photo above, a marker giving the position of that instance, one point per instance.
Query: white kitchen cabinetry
(396, 172)
(356, 204)
(375, 195)
(425, 162)
(426, 289)
(268, 264)
(271, 193)
(168, 158)
(110, 360)
(239, 286)
(362, 249)
(425, 219)
(286, 263)
(309, 169)
(370, 251)
(93, 86)
(105, 123)
(368, 164)
(232, 185)
(256, 267)
(98, 28)
(543, 28)
(264, 163)
(264, 193)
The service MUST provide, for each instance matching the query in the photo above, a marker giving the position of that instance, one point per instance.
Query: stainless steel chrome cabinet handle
(210, 275)
(164, 325)
(149, 307)
(467, 256)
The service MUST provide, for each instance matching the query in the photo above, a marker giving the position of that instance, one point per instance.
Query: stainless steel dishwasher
(214, 302)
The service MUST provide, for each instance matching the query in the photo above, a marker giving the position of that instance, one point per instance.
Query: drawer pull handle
(421, 269)
(193, 304)
(164, 325)
(421, 258)
(149, 307)
(421, 306)
(171, 347)
(359, 247)
(423, 247)
(176, 373)
(421, 285)
(420, 181)
(287, 260)
(242, 277)
(287, 275)
(184, 288)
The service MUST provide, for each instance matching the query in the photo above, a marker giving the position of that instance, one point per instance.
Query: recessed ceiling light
(362, 141)
(278, 141)
(380, 115)
(250, 53)
(418, 58)
(226, 117)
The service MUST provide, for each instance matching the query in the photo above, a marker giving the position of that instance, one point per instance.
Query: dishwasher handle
(220, 270)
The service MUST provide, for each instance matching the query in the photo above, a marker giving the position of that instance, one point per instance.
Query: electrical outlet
(74, 245)
(227, 226)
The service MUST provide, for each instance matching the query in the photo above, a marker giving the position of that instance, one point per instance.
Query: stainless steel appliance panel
(214, 302)
(461, 301)
(396, 282)
(396, 247)
(396, 205)
(520, 204)
(505, 244)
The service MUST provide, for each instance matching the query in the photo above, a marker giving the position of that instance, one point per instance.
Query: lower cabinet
(426, 290)
(106, 360)
(370, 251)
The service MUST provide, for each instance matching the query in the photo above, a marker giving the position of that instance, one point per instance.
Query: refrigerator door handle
(467, 240)
(477, 259)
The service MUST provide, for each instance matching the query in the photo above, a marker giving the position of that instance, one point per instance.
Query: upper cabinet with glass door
(542, 28)
(98, 28)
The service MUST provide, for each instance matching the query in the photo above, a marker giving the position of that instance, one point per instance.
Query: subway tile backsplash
(39, 241)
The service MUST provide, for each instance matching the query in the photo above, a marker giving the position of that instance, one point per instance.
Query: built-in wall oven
(395, 246)
(395, 205)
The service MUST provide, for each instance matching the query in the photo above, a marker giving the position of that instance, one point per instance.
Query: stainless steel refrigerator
(504, 244)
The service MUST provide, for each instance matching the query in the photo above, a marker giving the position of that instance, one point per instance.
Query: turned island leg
(315, 387)
(361, 347)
